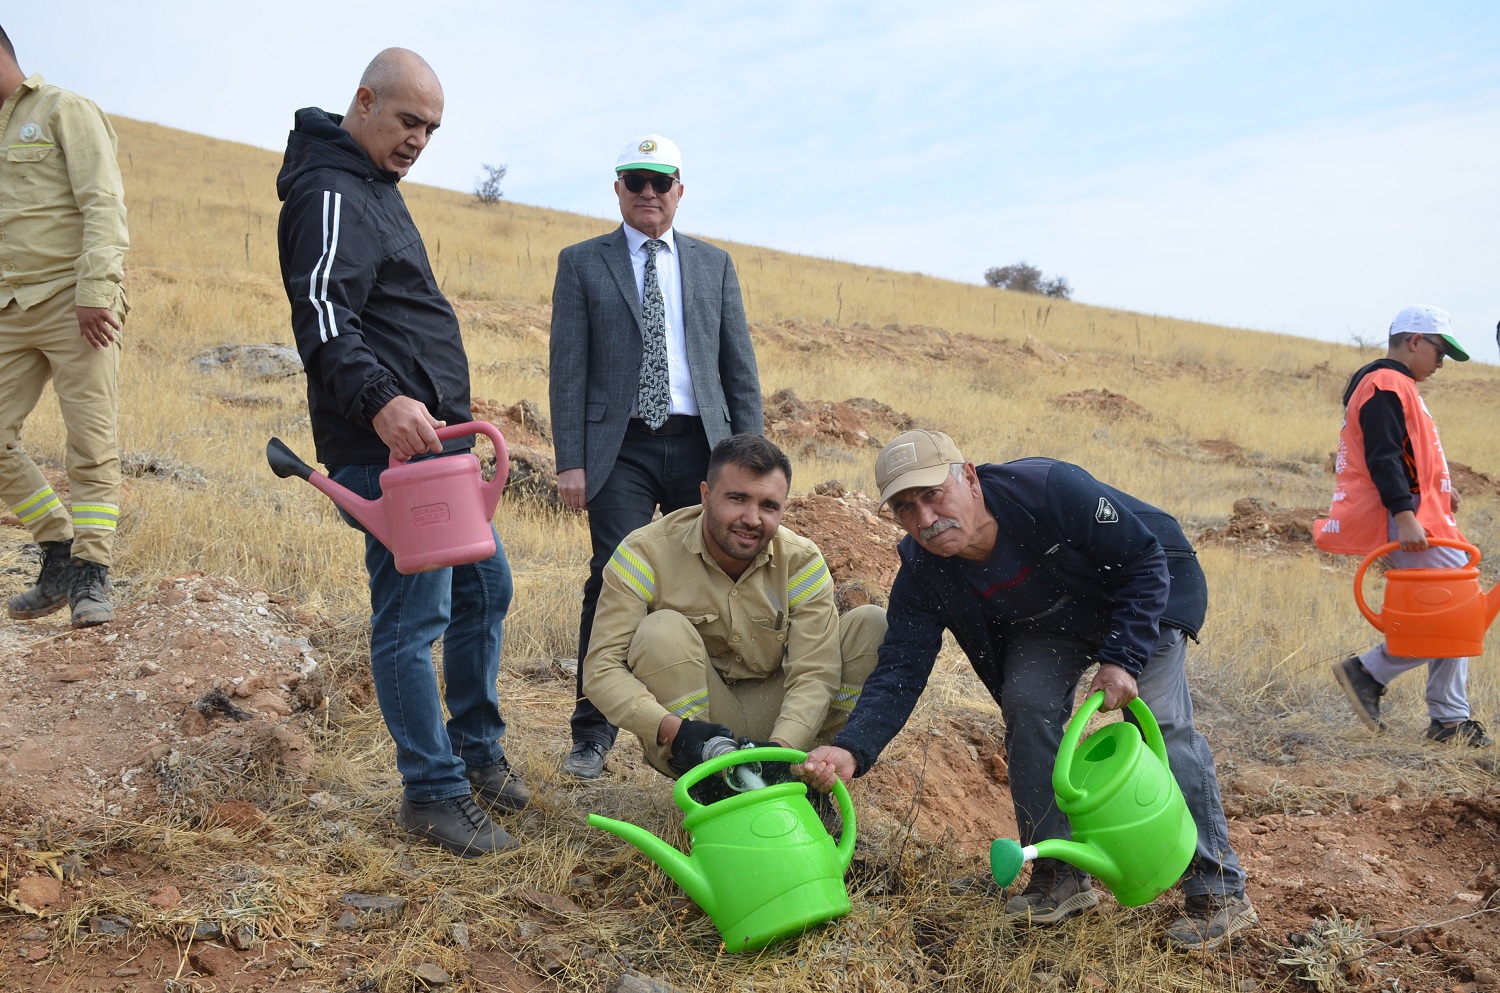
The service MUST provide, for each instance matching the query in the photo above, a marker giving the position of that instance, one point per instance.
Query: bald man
(385, 368)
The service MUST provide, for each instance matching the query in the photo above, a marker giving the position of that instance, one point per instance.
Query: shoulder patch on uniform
(1106, 514)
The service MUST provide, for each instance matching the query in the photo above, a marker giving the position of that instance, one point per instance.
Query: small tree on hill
(1024, 278)
(487, 187)
(1057, 286)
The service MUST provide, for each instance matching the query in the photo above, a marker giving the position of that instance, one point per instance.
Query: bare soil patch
(858, 544)
(801, 427)
(1471, 482)
(1105, 403)
(1261, 526)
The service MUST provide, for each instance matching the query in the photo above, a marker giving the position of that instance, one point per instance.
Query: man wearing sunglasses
(651, 366)
(1393, 485)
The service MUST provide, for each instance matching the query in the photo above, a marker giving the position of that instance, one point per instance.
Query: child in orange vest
(1393, 485)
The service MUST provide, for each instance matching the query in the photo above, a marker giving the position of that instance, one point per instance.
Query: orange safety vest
(1358, 521)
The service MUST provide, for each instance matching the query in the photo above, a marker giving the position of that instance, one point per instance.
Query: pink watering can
(431, 514)
(1431, 613)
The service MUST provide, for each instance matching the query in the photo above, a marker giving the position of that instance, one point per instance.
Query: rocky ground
(201, 680)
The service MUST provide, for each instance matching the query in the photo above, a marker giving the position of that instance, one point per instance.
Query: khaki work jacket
(779, 615)
(62, 205)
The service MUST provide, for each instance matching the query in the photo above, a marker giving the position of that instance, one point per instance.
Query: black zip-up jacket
(1388, 451)
(1106, 546)
(370, 321)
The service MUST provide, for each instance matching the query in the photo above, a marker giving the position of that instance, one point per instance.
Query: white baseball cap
(651, 152)
(1429, 322)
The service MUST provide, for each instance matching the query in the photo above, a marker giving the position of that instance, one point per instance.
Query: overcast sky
(1296, 166)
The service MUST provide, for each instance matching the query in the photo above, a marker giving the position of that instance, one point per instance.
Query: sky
(1287, 165)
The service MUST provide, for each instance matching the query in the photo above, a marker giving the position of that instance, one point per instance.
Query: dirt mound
(801, 427)
(1102, 402)
(1472, 482)
(1264, 527)
(203, 667)
(528, 441)
(857, 543)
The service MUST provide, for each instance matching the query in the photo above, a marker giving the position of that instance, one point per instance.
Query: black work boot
(51, 589)
(457, 824)
(88, 593)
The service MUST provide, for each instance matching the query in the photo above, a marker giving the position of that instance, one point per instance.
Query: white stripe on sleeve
(318, 284)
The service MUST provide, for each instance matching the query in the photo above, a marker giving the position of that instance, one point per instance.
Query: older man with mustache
(1041, 571)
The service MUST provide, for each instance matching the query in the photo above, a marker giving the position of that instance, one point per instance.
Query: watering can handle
(1359, 574)
(502, 454)
(1062, 783)
(719, 763)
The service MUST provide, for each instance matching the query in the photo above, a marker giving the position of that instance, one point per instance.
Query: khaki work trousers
(667, 656)
(44, 343)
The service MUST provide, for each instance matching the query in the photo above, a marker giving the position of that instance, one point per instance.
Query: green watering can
(762, 866)
(1131, 826)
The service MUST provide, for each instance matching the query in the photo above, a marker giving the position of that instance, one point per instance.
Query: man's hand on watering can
(825, 765)
(687, 746)
(1118, 686)
(407, 429)
(1410, 533)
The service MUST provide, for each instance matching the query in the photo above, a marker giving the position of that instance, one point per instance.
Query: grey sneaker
(88, 593)
(1362, 690)
(586, 760)
(457, 824)
(1469, 733)
(1208, 919)
(499, 786)
(51, 589)
(1055, 892)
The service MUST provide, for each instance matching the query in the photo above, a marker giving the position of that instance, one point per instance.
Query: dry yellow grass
(203, 272)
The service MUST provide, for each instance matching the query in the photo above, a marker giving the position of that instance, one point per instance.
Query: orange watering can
(1431, 613)
(432, 513)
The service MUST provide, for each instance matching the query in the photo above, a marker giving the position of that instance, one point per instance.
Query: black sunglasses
(635, 182)
(1439, 344)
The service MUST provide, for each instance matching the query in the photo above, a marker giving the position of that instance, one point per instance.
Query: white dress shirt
(669, 277)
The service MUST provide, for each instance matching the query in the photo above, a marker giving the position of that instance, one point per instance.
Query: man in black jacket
(1040, 571)
(386, 367)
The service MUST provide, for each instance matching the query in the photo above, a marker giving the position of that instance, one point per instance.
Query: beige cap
(914, 459)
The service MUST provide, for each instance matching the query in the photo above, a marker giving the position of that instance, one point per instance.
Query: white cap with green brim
(1429, 322)
(653, 153)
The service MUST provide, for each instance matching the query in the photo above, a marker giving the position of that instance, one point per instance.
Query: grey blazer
(596, 350)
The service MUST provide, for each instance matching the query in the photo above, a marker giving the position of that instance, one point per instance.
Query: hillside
(200, 796)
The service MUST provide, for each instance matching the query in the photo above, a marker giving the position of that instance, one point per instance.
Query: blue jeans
(465, 606)
(1040, 676)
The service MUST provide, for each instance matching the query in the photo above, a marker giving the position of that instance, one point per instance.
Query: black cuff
(374, 398)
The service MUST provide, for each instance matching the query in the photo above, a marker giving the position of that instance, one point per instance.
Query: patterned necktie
(654, 399)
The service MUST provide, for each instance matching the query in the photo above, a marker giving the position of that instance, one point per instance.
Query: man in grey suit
(651, 366)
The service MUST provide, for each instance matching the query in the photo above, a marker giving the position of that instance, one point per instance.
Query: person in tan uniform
(62, 266)
(715, 621)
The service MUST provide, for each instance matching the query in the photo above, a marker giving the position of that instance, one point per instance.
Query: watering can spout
(1082, 856)
(671, 861)
(284, 463)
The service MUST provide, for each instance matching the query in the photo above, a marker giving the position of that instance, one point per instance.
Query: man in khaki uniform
(715, 621)
(62, 263)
